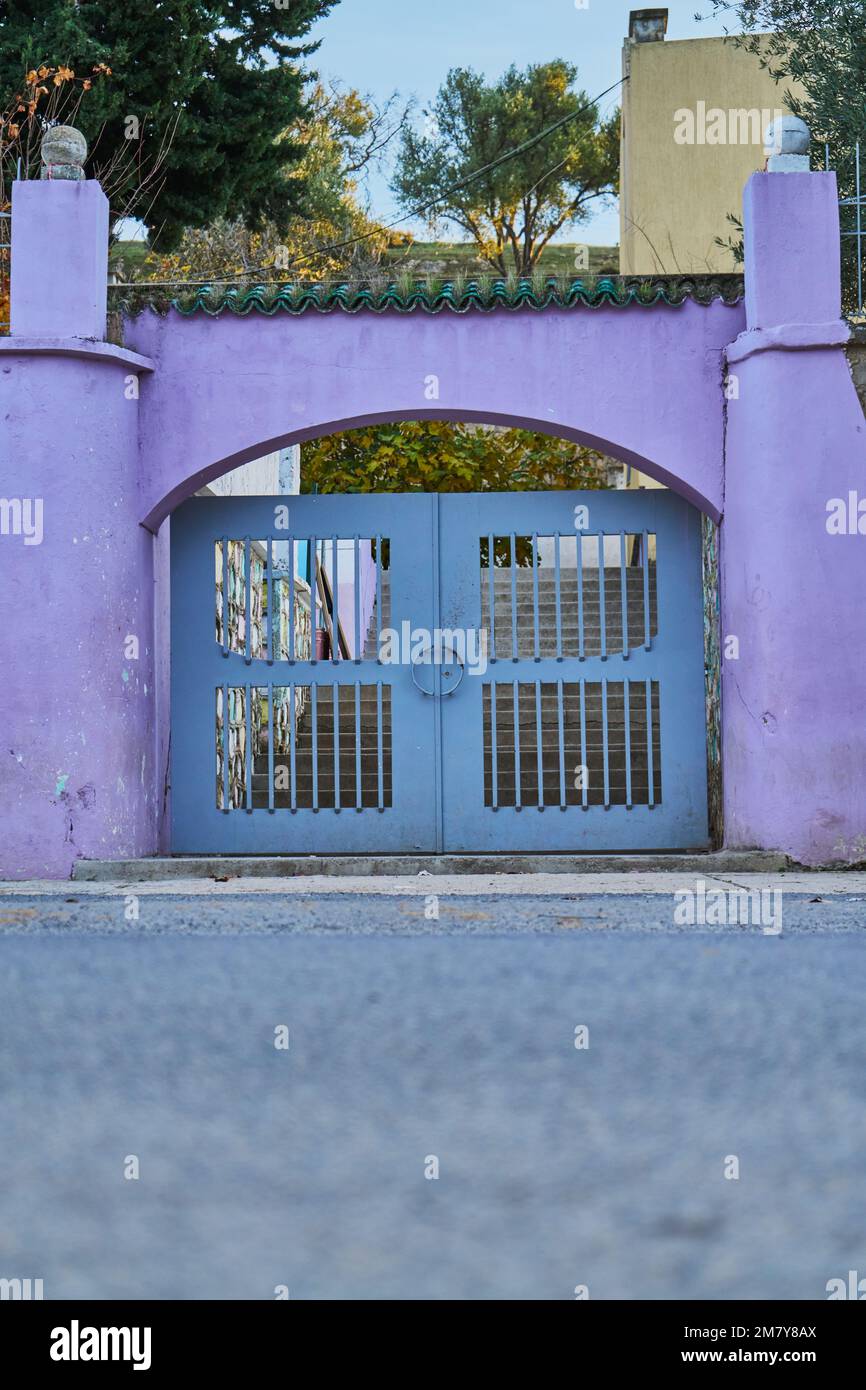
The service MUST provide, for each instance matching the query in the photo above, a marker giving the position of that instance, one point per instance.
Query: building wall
(271, 475)
(675, 197)
(274, 474)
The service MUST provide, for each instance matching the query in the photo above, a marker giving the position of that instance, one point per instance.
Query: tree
(340, 134)
(514, 210)
(437, 456)
(211, 83)
(819, 44)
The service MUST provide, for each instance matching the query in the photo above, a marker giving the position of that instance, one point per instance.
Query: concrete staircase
(577, 752)
(498, 677)
(569, 610)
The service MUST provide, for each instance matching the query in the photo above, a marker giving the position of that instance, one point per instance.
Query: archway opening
(563, 722)
(204, 471)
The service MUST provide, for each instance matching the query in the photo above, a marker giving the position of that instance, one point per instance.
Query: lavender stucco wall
(642, 384)
(78, 765)
(58, 275)
(77, 759)
(83, 764)
(794, 698)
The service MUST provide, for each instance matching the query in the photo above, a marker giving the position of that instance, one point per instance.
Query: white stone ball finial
(64, 150)
(786, 145)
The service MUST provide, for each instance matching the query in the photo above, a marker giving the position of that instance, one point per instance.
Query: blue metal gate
(439, 673)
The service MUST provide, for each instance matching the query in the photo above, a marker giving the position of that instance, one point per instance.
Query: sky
(379, 45)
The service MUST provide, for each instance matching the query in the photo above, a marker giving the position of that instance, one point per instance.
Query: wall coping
(789, 337)
(84, 348)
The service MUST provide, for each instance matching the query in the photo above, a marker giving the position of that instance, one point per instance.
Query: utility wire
(388, 226)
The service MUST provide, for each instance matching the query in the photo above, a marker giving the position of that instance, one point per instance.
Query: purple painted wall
(82, 769)
(57, 295)
(643, 384)
(77, 769)
(793, 729)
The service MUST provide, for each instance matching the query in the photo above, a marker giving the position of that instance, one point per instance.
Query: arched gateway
(566, 677)
(442, 727)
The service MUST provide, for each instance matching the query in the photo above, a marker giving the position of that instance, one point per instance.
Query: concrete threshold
(724, 862)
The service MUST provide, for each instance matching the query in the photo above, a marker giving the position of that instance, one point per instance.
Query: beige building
(694, 112)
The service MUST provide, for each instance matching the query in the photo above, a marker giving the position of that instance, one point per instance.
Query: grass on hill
(441, 259)
(434, 260)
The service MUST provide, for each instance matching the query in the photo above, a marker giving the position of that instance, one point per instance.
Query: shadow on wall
(856, 353)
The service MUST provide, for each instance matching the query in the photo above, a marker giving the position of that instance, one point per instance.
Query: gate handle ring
(431, 694)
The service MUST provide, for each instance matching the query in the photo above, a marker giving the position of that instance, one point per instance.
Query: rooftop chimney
(647, 26)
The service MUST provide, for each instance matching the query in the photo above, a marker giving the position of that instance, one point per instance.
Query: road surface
(410, 1040)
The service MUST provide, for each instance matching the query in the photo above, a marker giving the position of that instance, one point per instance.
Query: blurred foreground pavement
(410, 1039)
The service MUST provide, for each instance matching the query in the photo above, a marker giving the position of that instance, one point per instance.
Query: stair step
(523, 574)
(305, 788)
(282, 802)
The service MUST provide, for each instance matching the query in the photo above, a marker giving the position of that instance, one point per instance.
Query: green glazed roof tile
(434, 298)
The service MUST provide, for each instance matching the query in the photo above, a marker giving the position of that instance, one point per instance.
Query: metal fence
(5, 268)
(852, 214)
(6, 258)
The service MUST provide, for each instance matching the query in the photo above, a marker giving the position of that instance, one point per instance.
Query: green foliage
(210, 82)
(514, 210)
(337, 132)
(820, 45)
(437, 456)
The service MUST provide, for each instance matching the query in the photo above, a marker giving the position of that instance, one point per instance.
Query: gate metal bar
(556, 710)
(858, 233)
(623, 595)
(5, 263)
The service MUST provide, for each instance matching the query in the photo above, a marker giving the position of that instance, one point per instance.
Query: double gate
(466, 672)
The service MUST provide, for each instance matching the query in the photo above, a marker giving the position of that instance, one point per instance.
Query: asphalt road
(411, 1038)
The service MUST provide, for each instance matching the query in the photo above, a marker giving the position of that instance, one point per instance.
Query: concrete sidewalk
(703, 862)
(851, 885)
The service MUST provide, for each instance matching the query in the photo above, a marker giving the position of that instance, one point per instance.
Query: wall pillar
(793, 592)
(77, 767)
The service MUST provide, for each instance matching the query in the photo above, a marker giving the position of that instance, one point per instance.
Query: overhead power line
(389, 226)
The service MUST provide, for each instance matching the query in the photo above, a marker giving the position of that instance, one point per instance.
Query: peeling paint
(62, 779)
